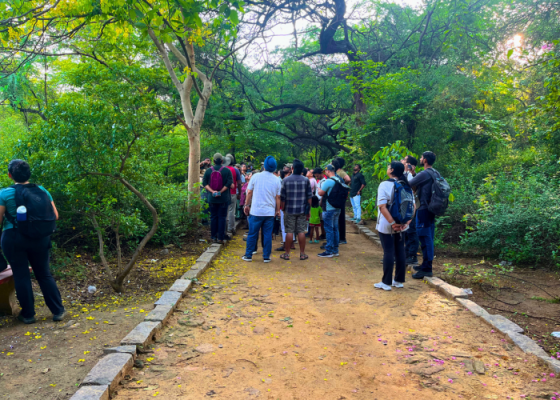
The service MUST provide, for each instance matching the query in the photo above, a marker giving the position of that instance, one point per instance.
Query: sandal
(285, 256)
(303, 257)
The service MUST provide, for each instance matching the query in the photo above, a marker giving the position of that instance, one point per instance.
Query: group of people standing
(310, 204)
(301, 202)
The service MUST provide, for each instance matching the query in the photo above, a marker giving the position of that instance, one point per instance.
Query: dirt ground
(529, 297)
(48, 360)
(317, 329)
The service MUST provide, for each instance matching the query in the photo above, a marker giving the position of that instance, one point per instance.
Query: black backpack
(338, 195)
(41, 219)
(440, 193)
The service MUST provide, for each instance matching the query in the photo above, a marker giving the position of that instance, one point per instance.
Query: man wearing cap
(218, 199)
(235, 188)
(262, 205)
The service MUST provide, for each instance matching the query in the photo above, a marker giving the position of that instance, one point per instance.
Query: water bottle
(22, 213)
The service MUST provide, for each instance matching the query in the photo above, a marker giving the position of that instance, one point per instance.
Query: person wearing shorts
(295, 199)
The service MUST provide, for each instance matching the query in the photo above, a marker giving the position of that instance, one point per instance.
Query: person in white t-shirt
(389, 231)
(262, 205)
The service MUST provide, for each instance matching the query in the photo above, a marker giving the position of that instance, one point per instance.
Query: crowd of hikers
(297, 203)
(302, 204)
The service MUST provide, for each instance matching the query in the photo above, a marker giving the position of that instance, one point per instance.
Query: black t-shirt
(357, 181)
(422, 182)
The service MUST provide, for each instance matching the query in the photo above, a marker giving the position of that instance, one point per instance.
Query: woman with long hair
(389, 230)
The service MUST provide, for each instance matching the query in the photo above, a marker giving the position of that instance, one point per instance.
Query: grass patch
(553, 301)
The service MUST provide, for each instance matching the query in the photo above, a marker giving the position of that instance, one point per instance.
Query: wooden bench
(8, 304)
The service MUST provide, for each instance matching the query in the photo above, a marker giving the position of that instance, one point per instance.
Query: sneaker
(352, 219)
(383, 286)
(335, 255)
(244, 239)
(266, 260)
(357, 221)
(417, 267)
(315, 241)
(245, 258)
(343, 242)
(325, 254)
(227, 237)
(411, 261)
(322, 237)
(281, 248)
(397, 284)
(255, 252)
(422, 275)
(323, 246)
(59, 317)
(31, 320)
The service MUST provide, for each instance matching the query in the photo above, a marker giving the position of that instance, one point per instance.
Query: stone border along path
(499, 322)
(105, 376)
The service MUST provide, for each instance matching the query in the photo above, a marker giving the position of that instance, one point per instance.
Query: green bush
(517, 216)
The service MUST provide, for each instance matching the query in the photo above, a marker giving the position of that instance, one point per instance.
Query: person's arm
(278, 205)
(248, 199)
(383, 210)
(229, 181)
(419, 179)
(347, 179)
(3, 211)
(53, 206)
(363, 182)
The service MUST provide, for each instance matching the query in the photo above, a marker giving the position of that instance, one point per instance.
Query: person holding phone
(411, 236)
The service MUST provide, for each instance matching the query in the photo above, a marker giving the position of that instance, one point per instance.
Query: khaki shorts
(295, 223)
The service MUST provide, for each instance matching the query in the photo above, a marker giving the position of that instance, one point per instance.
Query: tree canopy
(113, 103)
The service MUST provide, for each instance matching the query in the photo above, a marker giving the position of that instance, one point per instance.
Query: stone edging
(368, 233)
(499, 322)
(105, 376)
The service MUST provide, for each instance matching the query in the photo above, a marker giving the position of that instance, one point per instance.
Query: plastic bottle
(22, 213)
(92, 289)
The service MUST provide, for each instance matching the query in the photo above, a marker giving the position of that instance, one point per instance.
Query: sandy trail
(317, 329)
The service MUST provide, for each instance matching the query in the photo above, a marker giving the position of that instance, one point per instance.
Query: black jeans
(393, 250)
(218, 214)
(342, 226)
(411, 240)
(22, 252)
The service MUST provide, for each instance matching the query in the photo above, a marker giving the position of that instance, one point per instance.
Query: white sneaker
(255, 252)
(246, 259)
(383, 286)
(397, 284)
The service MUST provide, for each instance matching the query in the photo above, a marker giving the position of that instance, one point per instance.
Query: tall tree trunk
(194, 160)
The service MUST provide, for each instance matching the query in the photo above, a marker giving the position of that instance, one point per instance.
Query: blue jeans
(426, 228)
(356, 207)
(411, 240)
(331, 228)
(255, 224)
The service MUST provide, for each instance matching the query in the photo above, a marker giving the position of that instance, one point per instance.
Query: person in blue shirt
(23, 251)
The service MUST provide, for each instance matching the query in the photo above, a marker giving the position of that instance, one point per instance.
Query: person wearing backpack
(395, 202)
(424, 184)
(334, 192)
(217, 181)
(29, 216)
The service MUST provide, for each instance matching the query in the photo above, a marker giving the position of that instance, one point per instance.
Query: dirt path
(319, 330)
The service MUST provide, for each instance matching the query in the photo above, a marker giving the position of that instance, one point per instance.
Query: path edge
(496, 321)
(106, 374)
